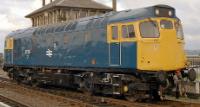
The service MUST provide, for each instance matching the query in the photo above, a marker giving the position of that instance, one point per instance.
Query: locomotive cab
(154, 43)
(161, 41)
(150, 46)
(161, 45)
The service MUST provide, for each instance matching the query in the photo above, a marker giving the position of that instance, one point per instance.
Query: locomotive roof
(111, 17)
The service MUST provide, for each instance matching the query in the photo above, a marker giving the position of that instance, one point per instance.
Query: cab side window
(9, 43)
(128, 31)
(179, 30)
(115, 33)
(131, 31)
(125, 32)
(165, 24)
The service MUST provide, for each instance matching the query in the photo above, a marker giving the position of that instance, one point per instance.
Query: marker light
(170, 13)
(157, 12)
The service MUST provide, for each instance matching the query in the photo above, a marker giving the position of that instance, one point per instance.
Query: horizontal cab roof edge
(164, 6)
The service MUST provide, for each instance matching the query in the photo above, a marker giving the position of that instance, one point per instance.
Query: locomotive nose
(164, 53)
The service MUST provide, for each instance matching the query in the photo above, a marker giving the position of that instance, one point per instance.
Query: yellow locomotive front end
(160, 50)
(160, 44)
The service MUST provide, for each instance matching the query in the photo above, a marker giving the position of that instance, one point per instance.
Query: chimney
(43, 2)
(114, 5)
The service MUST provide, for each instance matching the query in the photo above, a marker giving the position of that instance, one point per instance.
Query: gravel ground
(3, 74)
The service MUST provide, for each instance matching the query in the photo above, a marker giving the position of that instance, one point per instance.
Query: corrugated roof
(71, 3)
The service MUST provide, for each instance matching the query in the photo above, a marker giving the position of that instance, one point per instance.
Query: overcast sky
(12, 14)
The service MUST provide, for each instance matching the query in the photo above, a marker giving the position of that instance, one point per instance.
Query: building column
(47, 18)
(37, 20)
(88, 13)
(59, 15)
(43, 19)
(97, 12)
(32, 22)
(49, 22)
(79, 14)
(70, 14)
(63, 15)
(52, 17)
(67, 15)
(56, 14)
(40, 20)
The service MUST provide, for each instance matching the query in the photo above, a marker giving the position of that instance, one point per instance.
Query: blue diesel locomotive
(131, 53)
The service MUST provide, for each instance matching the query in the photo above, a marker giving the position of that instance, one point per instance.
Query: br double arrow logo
(49, 53)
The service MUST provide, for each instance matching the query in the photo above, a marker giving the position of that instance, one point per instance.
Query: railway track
(72, 98)
(59, 101)
(7, 102)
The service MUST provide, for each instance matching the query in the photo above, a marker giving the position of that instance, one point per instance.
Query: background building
(65, 10)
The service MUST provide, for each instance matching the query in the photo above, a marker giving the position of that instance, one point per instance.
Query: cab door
(128, 45)
(114, 45)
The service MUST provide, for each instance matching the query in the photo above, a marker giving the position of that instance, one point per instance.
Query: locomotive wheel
(132, 98)
(88, 84)
(18, 79)
(136, 96)
(34, 83)
(88, 90)
(154, 96)
(10, 75)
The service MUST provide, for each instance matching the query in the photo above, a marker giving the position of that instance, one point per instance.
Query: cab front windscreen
(149, 29)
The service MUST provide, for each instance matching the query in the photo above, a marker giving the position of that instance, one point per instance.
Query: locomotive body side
(75, 48)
